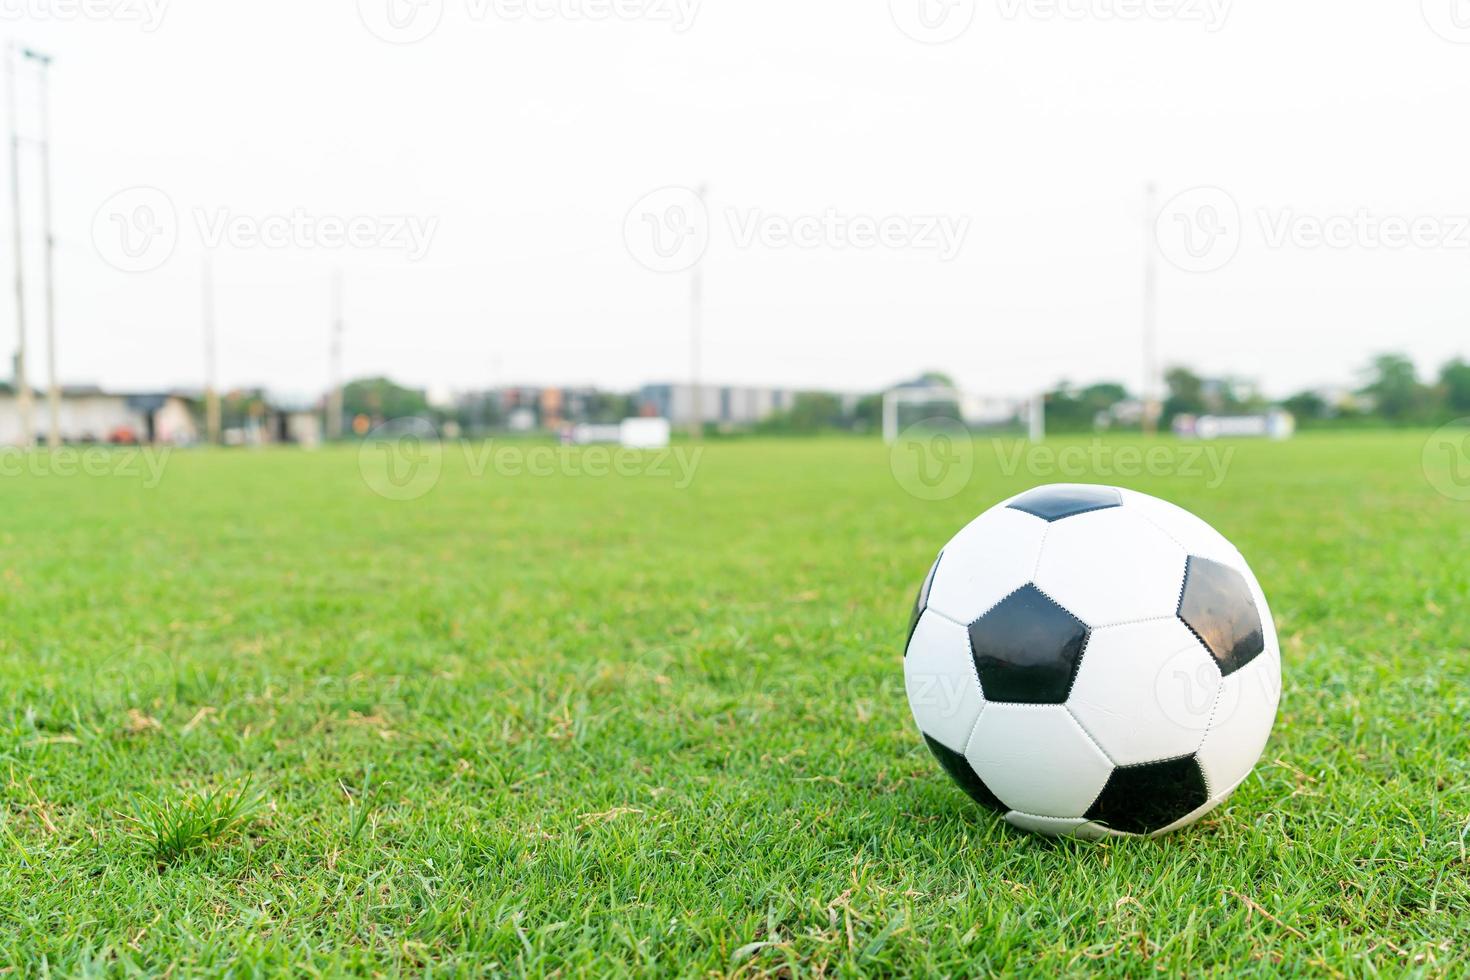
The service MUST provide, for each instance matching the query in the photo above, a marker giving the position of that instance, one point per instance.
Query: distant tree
(1454, 380)
(380, 398)
(1306, 405)
(1394, 386)
(1186, 393)
(867, 415)
(1071, 410)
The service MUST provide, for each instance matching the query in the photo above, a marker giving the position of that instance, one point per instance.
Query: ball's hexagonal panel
(1150, 797)
(1111, 566)
(1244, 715)
(1145, 691)
(1218, 605)
(959, 770)
(1036, 759)
(939, 674)
(1027, 649)
(1059, 826)
(1063, 500)
(921, 601)
(993, 556)
(1188, 531)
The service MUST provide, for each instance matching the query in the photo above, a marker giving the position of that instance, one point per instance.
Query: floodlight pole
(22, 379)
(334, 398)
(1150, 313)
(211, 362)
(696, 327)
(53, 387)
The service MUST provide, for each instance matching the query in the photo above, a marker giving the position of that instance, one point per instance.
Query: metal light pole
(211, 367)
(1150, 313)
(696, 327)
(53, 388)
(334, 399)
(22, 379)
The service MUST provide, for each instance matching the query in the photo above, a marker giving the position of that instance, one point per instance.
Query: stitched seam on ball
(1136, 622)
(1214, 708)
(1041, 550)
(1095, 743)
(1162, 530)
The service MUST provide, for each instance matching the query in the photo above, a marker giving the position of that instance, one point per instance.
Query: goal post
(907, 407)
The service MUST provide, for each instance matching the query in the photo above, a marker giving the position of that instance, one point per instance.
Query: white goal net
(904, 408)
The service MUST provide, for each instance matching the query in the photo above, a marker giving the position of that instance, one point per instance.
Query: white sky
(528, 139)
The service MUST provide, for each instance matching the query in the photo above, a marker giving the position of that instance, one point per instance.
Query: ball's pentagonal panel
(1111, 566)
(959, 770)
(1194, 815)
(1146, 798)
(1189, 532)
(1037, 760)
(921, 601)
(1217, 604)
(1027, 649)
(993, 556)
(1063, 500)
(1059, 826)
(1145, 691)
(939, 675)
(1242, 722)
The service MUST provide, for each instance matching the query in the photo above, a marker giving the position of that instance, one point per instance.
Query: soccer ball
(1091, 661)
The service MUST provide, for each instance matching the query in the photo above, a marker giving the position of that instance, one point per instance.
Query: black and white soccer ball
(1092, 661)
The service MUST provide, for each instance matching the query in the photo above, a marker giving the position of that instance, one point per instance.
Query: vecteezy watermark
(1363, 229)
(410, 21)
(936, 460)
(403, 459)
(144, 464)
(1199, 230)
(669, 230)
(942, 234)
(1096, 459)
(1211, 14)
(932, 21)
(147, 14)
(1446, 460)
(933, 459)
(1450, 19)
(138, 229)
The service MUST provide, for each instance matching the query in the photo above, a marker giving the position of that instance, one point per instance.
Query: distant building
(90, 415)
(729, 405)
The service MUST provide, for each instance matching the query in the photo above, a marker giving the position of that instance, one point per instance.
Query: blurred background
(531, 214)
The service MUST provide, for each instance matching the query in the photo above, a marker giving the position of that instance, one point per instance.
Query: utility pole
(1151, 407)
(211, 366)
(696, 326)
(334, 399)
(53, 387)
(22, 379)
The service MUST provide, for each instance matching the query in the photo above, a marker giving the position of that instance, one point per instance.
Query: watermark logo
(1208, 464)
(944, 235)
(933, 459)
(1211, 14)
(1446, 460)
(668, 230)
(401, 21)
(932, 21)
(1450, 19)
(1199, 230)
(1187, 688)
(142, 464)
(401, 459)
(147, 14)
(411, 21)
(136, 230)
(1364, 229)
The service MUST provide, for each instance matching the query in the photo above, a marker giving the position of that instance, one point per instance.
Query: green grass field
(259, 717)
